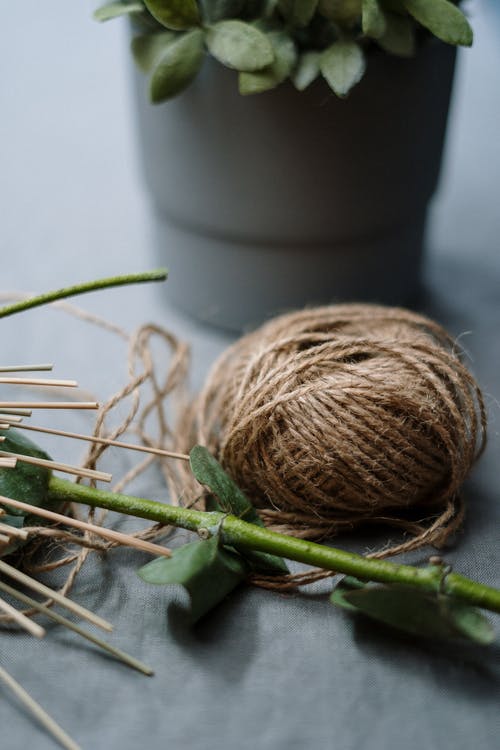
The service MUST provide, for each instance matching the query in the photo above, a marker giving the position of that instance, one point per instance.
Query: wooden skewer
(6, 406)
(43, 717)
(66, 468)
(114, 536)
(121, 655)
(24, 622)
(19, 412)
(69, 604)
(26, 368)
(9, 419)
(8, 530)
(8, 463)
(103, 441)
(38, 381)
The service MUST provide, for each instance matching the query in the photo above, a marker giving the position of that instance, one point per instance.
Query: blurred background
(73, 209)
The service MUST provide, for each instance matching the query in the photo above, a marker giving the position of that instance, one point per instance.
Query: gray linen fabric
(264, 671)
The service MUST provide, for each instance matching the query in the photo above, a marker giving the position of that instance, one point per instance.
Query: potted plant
(271, 189)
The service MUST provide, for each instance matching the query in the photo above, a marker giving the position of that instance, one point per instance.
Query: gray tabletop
(265, 670)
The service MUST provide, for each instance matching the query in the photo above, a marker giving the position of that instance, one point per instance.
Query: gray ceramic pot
(271, 202)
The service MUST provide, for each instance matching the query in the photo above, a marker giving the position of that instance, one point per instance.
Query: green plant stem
(90, 286)
(246, 536)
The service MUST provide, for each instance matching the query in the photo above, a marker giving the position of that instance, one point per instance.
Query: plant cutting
(231, 548)
(313, 190)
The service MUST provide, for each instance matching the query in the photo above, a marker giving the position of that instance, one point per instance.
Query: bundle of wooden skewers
(15, 584)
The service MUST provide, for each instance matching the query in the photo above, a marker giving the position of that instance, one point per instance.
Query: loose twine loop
(330, 418)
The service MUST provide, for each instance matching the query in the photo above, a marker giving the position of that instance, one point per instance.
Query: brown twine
(329, 419)
(342, 416)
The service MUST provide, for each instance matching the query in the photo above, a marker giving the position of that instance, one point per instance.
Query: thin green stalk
(90, 286)
(246, 536)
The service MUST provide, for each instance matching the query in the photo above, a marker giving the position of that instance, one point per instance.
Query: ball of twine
(337, 416)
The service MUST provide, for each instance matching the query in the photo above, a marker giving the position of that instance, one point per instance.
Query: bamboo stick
(24, 622)
(105, 441)
(35, 708)
(18, 412)
(10, 419)
(38, 382)
(40, 588)
(56, 617)
(56, 466)
(8, 530)
(114, 536)
(6, 406)
(8, 463)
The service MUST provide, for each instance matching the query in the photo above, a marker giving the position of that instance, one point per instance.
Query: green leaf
(373, 19)
(239, 45)
(26, 482)
(345, 12)
(206, 570)
(414, 611)
(343, 65)
(307, 70)
(263, 8)
(208, 471)
(175, 14)
(399, 37)
(443, 19)
(470, 622)
(177, 66)
(148, 48)
(345, 586)
(285, 58)
(216, 10)
(116, 9)
(394, 6)
(298, 12)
